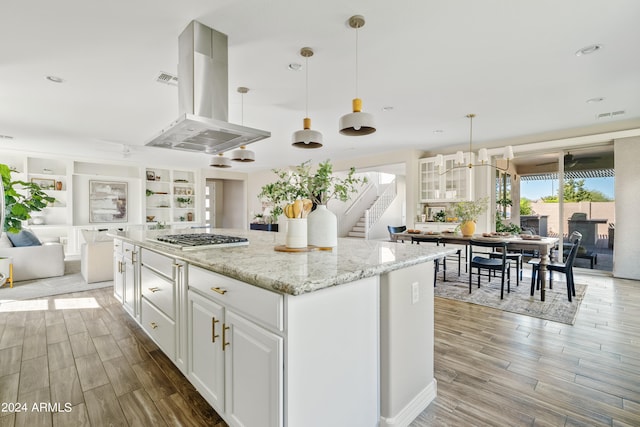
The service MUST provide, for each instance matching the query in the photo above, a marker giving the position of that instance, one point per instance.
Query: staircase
(371, 215)
(359, 230)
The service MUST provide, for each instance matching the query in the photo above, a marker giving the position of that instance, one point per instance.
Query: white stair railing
(373, 214)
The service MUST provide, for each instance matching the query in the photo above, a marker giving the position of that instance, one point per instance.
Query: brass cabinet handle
(213, 329)
(154, 325)
(134, 258)
(119, 266)
(224, 336)
(154, 289)
(219, 290)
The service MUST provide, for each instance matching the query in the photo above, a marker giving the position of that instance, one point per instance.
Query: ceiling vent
(168, 79)
(611, 114)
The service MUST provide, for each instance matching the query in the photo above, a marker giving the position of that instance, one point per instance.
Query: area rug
(72, 281)
(555, 307)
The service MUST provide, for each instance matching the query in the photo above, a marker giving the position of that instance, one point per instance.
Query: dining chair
(561, 267)
(436, 262)
(393, 230)
(512, 256)
(484, 261)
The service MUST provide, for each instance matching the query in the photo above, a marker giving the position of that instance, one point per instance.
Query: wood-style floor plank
(492, 367)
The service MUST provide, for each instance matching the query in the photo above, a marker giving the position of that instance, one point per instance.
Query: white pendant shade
(307, 138)
(483, 155)
(460, 157)
(508, 153)
(357, 123)
(220, 162)
(243, 155)
(439, 160)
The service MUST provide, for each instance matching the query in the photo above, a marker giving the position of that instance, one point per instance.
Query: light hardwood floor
(492, 367)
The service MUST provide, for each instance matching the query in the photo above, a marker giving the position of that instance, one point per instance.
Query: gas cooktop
(193, 241)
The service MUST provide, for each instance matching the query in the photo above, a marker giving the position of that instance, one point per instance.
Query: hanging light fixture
(306, 138)
(220, 161)
(242, 154)
(483, 155)
(357, 123)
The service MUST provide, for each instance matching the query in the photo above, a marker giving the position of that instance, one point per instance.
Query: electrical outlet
(415, 293)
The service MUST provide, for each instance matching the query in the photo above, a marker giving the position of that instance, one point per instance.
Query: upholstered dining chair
(393, 230)
(484, 261)
(561, 267)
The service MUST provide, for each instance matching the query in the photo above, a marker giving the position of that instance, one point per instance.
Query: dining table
(543, 245)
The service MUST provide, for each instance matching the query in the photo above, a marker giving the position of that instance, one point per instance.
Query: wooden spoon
(306, 207)
(297, 208)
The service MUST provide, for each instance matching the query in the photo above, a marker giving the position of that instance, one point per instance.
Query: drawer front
(159, 327)
(262, 305)
(158, 290)
(158, 262)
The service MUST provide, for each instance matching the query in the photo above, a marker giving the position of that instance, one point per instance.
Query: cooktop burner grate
(201, 240)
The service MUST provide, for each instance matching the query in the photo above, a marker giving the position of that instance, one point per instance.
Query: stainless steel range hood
(203, 92)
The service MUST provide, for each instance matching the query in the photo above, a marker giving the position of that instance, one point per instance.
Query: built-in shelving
(170, 196)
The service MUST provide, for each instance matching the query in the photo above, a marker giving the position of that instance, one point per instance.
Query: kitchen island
(341, 337)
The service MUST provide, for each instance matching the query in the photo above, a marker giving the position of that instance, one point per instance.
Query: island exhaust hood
(203, 92)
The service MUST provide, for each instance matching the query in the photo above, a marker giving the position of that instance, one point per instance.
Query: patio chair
(484, 261)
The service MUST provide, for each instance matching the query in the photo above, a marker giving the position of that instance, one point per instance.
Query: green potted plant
(183, 202)
(467, 212)
(20, 199)
(320, 186)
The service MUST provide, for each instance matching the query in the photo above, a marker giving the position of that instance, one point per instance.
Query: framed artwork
(107, 201)
(45, 184)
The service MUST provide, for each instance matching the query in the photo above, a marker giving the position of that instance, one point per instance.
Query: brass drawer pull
(213, 329)
(154, 325)
(224, 336)
(219, 290)
(154, 289)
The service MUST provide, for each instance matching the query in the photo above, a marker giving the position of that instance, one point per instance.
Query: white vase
(322, 228)
(296, 237)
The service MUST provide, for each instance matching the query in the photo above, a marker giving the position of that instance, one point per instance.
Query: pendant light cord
(306, 86)
(357, 27)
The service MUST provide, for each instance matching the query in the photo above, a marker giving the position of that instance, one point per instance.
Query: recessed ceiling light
(55, 79)
(589, 49)
(594, 100)
(294, 66)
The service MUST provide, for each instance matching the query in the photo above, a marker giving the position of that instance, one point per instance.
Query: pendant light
(220, 161)
(357, 123)
(483, 155)
(306, 138)
(243, 155)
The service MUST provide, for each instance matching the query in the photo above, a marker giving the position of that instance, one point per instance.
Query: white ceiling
(512, 63)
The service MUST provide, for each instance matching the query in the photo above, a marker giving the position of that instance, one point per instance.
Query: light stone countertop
(292, 273)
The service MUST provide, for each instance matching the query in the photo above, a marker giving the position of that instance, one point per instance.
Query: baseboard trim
(413, 408)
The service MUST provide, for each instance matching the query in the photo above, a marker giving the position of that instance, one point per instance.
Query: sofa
(35, 262)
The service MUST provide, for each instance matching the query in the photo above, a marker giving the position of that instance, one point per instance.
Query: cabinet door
(254, 370)
(429, 181)
(130, 301)
(118, 277)
(206, 359)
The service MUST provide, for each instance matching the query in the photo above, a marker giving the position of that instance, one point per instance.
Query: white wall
(626, 248)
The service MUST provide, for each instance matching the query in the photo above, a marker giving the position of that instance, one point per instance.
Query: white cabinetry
(436, 185)
(436, 227)
(236, 363)
(162, 295)
(125, 280)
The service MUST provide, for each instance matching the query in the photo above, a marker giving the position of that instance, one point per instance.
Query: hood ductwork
(203, 92)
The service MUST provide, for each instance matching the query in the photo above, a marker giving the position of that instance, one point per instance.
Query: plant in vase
(321, 187)
(18, 205)
(468, 212)
(183, 202)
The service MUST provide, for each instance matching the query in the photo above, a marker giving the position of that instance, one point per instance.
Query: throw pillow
(24, 238)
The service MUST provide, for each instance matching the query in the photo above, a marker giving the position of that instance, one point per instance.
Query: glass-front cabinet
(448, 183)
